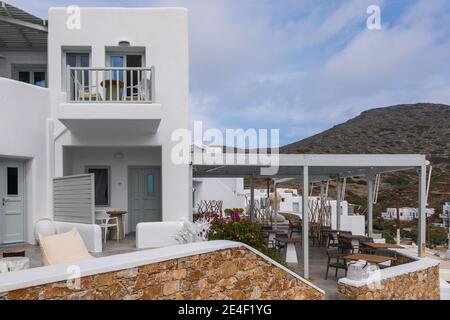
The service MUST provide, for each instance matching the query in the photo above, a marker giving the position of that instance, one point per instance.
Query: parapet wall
(413, 280)
(236, 272)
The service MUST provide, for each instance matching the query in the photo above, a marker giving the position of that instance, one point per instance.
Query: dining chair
(386, 253)
(345, 246)
(361, 248)
(106, 222)
(332, 239)
(324, 230)
(335, 261)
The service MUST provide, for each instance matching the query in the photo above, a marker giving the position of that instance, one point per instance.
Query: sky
(303, 66)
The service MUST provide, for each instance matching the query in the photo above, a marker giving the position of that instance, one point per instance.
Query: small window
(13, 181)
(39, 79)
(150, 184)
(24, 76)
(102, 183)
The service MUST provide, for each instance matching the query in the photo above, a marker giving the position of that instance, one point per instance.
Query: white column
(191, 194)
(275, 204)
(338, 203)
(422, 214)
(369, 205)
(305, 213)
(252, 199)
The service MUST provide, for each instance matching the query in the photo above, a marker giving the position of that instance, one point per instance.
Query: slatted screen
(74, 199)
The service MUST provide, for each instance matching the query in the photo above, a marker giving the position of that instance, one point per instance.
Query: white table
(291, 251)
(14, 264)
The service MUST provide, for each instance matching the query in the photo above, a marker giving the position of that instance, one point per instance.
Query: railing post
(68, 85)
(152, 85)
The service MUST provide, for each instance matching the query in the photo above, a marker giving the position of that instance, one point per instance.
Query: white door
(11, 202)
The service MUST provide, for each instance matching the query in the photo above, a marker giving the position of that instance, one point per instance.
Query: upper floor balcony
(98, 99)
(110, 85)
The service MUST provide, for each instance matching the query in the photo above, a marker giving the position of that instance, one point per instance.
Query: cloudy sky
(305, 65)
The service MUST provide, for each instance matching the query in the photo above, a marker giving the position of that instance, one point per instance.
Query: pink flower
(234, 215)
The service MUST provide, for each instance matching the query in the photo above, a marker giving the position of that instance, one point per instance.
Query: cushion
(63, 247)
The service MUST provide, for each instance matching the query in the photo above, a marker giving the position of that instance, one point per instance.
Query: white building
(110, 87)
(228, 190)
(406, 213)
(445, 216)
(291, 202)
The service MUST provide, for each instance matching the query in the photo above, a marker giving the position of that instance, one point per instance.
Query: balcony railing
(118, 85)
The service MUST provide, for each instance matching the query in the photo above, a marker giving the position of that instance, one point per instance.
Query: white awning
(321, 166)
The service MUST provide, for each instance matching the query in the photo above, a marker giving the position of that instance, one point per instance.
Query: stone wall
(236, 273)
(419, 285)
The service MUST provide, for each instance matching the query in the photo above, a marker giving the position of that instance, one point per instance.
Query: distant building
(406, 213)
(445, 215)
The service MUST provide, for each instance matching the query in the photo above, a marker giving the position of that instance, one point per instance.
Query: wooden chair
(338, 263)
(345, 246)
(386, 253)
(295, 224)
(361, 247)
(314, 233)
(324, 230)
(332, 239)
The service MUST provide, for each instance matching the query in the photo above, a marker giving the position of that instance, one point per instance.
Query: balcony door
(12, 202)
(78, 60)
(129, 77)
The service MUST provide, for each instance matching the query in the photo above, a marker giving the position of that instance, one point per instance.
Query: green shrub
(242, 230)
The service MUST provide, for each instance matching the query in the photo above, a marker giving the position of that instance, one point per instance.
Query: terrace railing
(117, 85)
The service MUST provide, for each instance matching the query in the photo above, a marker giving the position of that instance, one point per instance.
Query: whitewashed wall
(164, 34)
(77, 158)
(24, 110)
(10, 58)
(229, 190)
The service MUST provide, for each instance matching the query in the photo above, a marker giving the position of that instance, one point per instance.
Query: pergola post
(370, 205)
(252, 199)
(305, 212)
(275, 204)
(338, 203)
(191, 193)
(422, 212)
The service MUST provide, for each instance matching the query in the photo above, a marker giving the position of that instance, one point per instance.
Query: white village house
(406, 213)
(114, 97)
(87, 114)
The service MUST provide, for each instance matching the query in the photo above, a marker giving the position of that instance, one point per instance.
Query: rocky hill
(417, 128)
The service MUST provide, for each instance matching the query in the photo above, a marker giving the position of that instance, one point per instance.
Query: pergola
(316, 168)
(21, 30)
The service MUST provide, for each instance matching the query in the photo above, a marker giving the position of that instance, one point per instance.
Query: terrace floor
(317, 269)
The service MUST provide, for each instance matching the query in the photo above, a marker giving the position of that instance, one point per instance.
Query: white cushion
(63, 247)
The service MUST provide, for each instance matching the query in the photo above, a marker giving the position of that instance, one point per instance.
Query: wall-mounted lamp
(124, 43)
(119, 155)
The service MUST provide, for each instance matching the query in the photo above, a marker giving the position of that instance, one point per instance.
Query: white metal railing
(128, 85)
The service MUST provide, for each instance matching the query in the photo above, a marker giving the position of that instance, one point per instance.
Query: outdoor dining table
(371, 258)
(272, 234)
(291, 252)
(350, 237)
(370, 247)
(119, 214)
(375, 246)
(112, 88)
